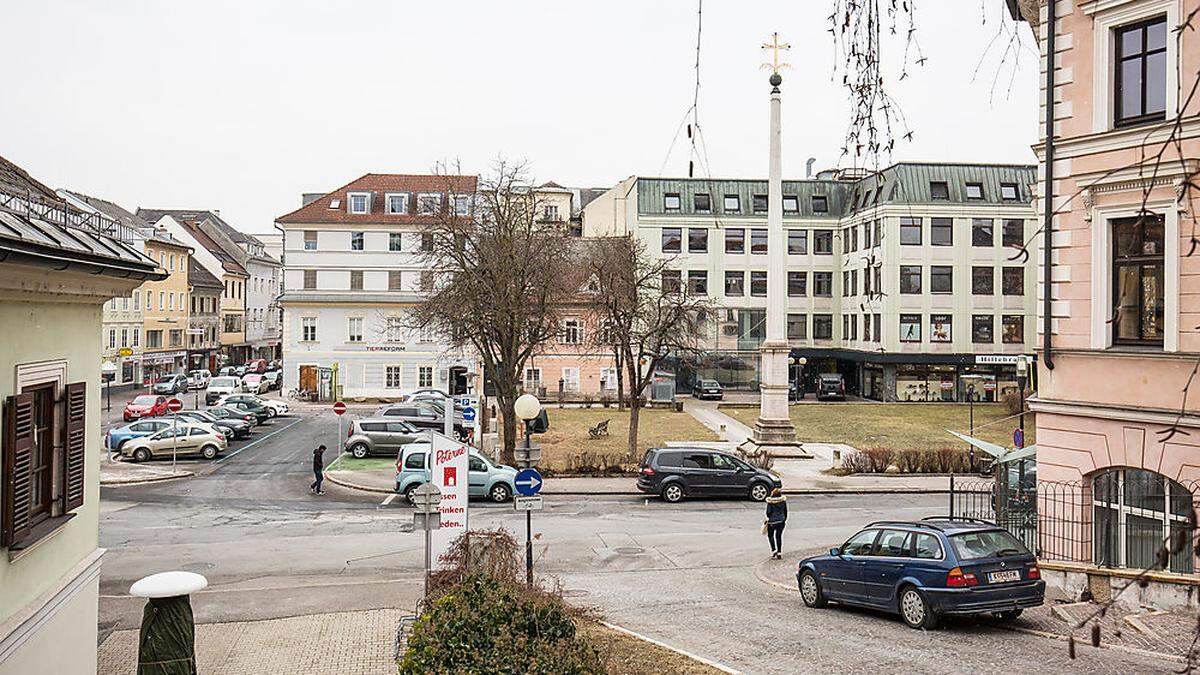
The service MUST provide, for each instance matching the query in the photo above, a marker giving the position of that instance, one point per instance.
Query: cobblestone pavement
(343, 643)
(1167, 633)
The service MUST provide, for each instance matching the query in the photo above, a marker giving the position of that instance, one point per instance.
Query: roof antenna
(808, 167)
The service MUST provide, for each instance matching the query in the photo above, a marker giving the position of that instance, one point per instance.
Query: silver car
(422, 415)
(380, 436)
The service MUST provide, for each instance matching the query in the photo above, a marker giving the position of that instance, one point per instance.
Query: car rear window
(987, 544)
(415, 461)
(224, 382)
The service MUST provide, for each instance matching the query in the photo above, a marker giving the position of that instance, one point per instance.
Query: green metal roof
(904, 183)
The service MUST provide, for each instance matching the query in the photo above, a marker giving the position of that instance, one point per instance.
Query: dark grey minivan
(674, 473)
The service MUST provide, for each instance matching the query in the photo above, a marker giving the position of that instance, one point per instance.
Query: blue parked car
(117, 437)
(487, 479)
(924, 570)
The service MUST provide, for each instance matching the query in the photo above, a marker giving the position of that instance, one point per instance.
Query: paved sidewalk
(126, 473)
(343, 643)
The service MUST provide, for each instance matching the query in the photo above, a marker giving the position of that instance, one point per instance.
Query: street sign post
(339, 409)
(528, 482)
(427, 515)
(174, 406)
(1018, 438)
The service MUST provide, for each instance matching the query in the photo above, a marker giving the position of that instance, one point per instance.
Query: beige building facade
(165, 310)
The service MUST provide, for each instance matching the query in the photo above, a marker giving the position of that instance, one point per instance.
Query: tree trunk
(620, 380)
(634, 407)
(509, 423)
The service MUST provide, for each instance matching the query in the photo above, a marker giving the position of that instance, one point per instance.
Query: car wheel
(271, 412)
(141, 455)
(672, 493)
(915, 610)
(500, 493)
(1010, 615)
(410, 494)
(759, 492)
(209, 452)
(359, 451)
(810, 590)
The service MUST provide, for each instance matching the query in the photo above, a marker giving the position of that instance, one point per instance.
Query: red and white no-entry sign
(174, 405)
(339, 408)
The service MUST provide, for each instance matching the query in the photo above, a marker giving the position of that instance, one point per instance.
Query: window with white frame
(395, 329)
(570, 378)
(359, 202)
(428, 203)
(462, 205)
(112, 338)
(137, 337)
(550, 212)
(354, 329)
(425, 376)
(308, 329)
(572, 331)
(393, 377)
(533, 379)
(397, 203)
(608, 378)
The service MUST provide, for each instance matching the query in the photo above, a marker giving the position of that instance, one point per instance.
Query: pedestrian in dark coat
(318, 470)
(776, 519)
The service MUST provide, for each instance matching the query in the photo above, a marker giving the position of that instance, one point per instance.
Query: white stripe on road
(256, 441)
(388, 500)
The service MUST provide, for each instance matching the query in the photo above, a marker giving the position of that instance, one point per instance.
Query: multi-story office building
(354, 263)
(901, 280)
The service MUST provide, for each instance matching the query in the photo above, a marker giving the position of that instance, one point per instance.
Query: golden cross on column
(775, 47)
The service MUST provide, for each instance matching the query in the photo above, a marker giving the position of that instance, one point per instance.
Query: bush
(933, 460)
(487, 625)
(1012, 401)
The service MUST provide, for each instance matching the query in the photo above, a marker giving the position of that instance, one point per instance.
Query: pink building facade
(1117, 420)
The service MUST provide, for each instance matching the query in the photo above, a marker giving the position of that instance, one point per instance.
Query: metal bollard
(167, 640)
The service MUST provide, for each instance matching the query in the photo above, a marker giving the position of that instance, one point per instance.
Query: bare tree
(646, 313)
(499, 272)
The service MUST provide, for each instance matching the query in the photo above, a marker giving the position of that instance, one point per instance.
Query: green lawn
(348, 463)
(566, 444)
(900, 426)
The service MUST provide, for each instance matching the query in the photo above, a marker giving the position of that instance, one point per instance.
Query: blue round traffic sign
(468, 414)
(529, 482)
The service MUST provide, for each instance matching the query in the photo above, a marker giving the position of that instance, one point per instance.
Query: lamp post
(971, 379)
(1022, 378)
(109, 369)
(792, 361)
(527, 407)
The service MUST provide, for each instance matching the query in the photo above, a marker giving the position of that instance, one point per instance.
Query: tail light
(220, 436)
(1034, 572)
(647, 471)
(349, 431)
(959, 579)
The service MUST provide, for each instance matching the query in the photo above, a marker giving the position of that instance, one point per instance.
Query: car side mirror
(835, 551)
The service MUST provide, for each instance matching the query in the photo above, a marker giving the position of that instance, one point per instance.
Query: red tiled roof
(318, 211)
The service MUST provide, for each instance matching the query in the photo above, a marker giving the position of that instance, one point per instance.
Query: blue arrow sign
(468, 414)
(529, 482)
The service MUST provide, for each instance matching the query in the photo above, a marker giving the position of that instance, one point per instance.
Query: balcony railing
(28, 205)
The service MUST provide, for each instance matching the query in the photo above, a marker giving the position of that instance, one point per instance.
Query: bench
(599, 430)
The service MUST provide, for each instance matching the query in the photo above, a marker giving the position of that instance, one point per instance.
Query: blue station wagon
(926, 569)
(118, 436)
(487, 479)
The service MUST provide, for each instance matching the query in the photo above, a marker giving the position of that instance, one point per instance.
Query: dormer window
(428, 203)
(359, 202)
(671, 201)
(791, 204)
(397, 203)
(731, 204)
(1008, 192)
(820, 204)
(975, 191)
(939, 190)
(702, 203)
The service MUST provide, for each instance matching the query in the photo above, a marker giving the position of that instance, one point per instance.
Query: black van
(831, 385)
(674, 473)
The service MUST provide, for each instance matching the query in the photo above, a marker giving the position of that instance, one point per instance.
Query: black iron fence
(60, 213)
(1127, 518)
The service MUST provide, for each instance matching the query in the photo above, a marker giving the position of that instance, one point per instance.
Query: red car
(146, 405)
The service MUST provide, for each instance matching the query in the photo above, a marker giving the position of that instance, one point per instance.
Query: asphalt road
(690, 574)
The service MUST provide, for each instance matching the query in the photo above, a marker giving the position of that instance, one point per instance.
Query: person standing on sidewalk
(318, 470)
(776, 519)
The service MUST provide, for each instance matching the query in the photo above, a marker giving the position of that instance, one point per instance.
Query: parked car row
(231, 417)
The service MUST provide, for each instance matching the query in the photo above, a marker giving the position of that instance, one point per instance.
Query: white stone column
(774, 427)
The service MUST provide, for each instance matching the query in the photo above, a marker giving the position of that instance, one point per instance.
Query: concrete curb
(349, 484)
(700, 659)
(147, 480)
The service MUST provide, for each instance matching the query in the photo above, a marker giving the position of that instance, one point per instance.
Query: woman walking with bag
(776, 519)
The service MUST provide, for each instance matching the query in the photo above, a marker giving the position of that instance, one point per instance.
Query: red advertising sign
(989, 386)
(339, 408)
(174, 405)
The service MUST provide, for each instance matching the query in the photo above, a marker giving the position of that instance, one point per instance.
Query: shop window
(1135, 512)
(982, 326)
(910, 327)
(941, 328)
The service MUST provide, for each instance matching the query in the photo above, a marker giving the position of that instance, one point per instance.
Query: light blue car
(115, 438)
(487, 479)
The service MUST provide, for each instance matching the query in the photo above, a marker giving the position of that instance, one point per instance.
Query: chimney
(808, 167)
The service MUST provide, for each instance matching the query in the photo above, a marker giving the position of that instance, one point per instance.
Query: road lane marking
(256, 441)
(388, 500)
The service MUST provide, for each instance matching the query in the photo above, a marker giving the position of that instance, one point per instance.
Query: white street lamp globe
(803, 360)
(527, 406)
(108, 367)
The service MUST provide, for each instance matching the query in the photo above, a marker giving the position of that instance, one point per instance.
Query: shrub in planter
(487, 625)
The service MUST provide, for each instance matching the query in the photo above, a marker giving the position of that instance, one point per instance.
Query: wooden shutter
(75, 446)
(16, 466)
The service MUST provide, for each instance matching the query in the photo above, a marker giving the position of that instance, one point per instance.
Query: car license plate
(1004, 576)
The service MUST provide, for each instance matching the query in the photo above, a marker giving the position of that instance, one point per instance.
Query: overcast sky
(241, 105)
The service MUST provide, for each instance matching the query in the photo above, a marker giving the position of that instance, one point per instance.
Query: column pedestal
(774, 435)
